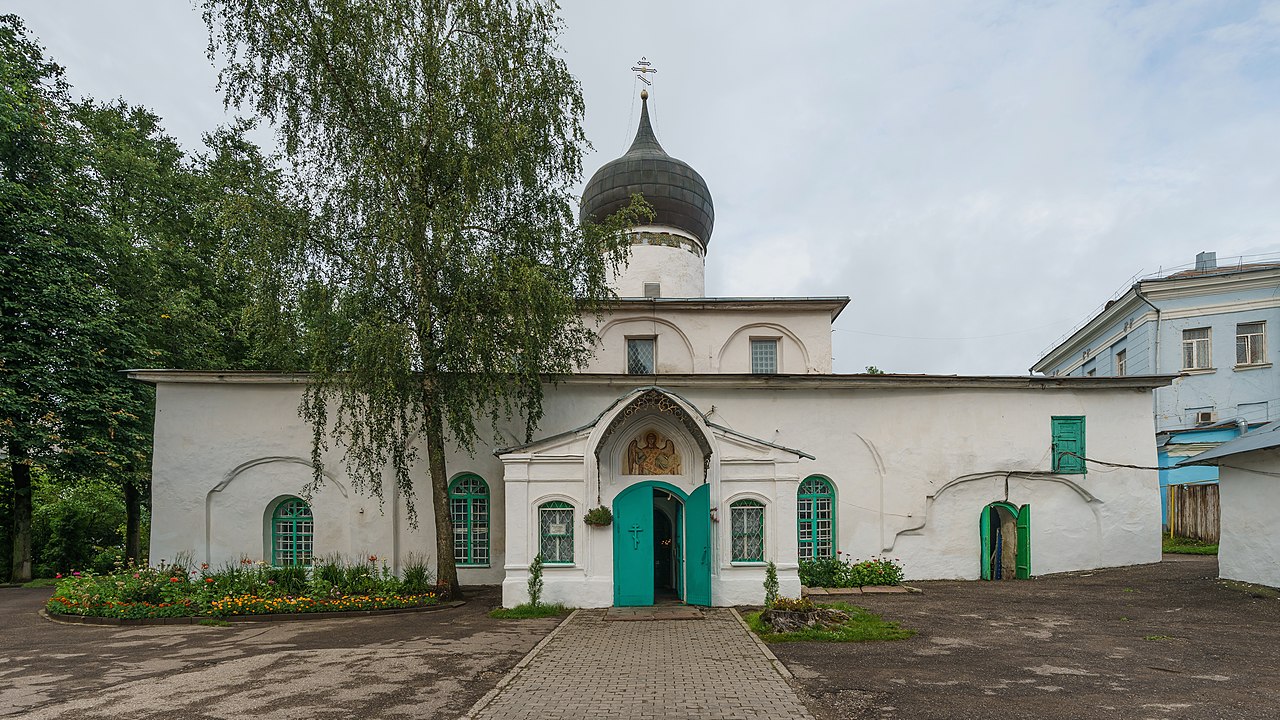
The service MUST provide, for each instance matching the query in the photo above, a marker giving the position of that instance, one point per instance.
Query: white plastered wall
(680, 271)
(1249, 540)
(912, 469)
(713, 339)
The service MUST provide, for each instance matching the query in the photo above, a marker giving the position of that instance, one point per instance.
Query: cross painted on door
(635, 535)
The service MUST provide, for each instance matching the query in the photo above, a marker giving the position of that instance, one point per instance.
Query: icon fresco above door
(653, 453)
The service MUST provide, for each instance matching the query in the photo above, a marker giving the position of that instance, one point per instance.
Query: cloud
(990, 170)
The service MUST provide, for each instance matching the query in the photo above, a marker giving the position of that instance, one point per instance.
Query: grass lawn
(1188, 546)
(862, 626)
(527, 611)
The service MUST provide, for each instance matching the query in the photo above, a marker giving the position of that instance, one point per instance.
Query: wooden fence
(1193, 511)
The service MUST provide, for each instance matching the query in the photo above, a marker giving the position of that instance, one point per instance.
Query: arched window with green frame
(292, 531)
(469, 508)
(815, 518)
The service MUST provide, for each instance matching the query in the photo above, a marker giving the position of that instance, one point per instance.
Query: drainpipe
(1155, 363)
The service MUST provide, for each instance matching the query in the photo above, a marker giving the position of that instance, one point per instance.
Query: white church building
(717, 434)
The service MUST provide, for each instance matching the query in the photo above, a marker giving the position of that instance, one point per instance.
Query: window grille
(1196, 353)
(746, 519)
(764, 357)
(469, 509)
(292, 530)
(555, 523)
(1251, 343)
(815, 518)
(641, 356)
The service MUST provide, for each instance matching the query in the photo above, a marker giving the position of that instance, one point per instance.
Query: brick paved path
(598, 669)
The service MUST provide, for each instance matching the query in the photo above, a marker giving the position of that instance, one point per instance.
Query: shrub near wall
(246, 588)
(843, 571)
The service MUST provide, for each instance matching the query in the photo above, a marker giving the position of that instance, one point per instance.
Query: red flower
(208, 580)
(174, 579)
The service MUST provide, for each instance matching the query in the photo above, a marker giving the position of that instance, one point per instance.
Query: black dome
(677, 193)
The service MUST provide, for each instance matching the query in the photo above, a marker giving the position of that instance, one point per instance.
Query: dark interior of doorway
(665, 584)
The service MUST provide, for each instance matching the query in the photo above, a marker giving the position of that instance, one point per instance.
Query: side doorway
(1005, 531)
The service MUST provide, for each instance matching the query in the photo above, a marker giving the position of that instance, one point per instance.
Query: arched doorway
(661, 540)
(1006, 541)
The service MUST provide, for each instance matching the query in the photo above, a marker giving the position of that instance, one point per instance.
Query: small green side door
(633, 546)
(1024, 543)
(697, 543)
(984, 530)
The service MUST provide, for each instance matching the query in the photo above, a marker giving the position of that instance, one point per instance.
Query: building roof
(1263, 438)
(678, 195)
(834, 304)
(1183, 281)
(734, 380)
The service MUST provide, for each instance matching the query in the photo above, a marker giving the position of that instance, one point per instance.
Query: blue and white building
(1215, 324)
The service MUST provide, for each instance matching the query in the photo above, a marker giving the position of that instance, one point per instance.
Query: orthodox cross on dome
(642, 69)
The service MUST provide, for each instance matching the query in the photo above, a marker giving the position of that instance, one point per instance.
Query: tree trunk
(22, 561)
(446, 568)
(132, 523)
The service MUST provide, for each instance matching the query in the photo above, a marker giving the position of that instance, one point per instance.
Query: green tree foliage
(56, 311)
(116, 251)
(437, 143)
(77, 526)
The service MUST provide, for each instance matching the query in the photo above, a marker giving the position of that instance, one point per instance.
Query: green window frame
(292, 533)
(469, 510)
(555, 532)
(1068, 444)
(815, 518)
(746, 531)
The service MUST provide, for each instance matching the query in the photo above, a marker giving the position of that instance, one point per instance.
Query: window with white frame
(746, 524)
(764, 356)
(1122, 362)
(642, 354)
(555, 531)
(1251, 343)
(1196, 354)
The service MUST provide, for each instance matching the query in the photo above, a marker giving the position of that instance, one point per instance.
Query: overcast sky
(978, 177)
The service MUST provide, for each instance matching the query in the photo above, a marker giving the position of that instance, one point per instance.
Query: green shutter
(1024, 542)
(984, 530)
(1068, 445)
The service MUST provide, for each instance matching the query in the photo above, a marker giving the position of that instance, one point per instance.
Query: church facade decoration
(653, 454)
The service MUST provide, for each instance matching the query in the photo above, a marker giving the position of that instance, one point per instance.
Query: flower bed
(843, 571)
(246, 588)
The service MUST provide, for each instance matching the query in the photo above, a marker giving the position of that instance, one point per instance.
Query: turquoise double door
(633, 544)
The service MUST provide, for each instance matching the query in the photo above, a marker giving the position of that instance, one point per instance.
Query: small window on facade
(469, 508)
(815, 518)
(746, 521)
(764, 357)
(1068, 445)
(1122, 363)
(641, 355)
(1092, 372)
(555, 523)
(1195, 349)
(292, 528)
(1251, 343)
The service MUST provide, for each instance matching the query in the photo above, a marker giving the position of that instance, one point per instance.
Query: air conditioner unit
(1205, 416)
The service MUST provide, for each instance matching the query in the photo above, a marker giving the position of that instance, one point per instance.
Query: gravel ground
(421, 665)
(1154, 641)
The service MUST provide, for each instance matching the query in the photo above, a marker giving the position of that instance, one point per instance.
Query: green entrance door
(698, 546)
(633, 546)
(996, 541)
